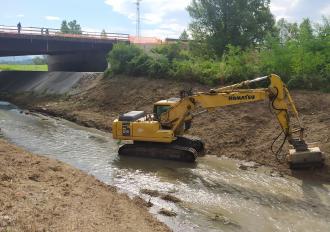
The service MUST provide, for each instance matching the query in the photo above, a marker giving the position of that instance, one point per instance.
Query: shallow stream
(216, 194)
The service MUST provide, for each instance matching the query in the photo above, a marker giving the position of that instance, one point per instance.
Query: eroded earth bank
(40, 194)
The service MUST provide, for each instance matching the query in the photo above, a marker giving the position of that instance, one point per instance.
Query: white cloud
(296, 10)
(52, 18)
(326, 10)
(168, 18)
(20, 16)
(154, 13)
(282, 8)
(168, 30)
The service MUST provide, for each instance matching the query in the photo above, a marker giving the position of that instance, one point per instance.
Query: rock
(5, 221)
(34, 177)
(243, 167)
(142, 202)
(248, 165)
(168, 197)
(152, 193)
(226, 221)
(5, 177)
(168, 213)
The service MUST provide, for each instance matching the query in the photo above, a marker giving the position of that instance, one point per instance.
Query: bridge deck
(56, 34)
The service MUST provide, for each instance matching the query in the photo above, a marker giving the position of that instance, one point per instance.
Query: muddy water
(216, 195)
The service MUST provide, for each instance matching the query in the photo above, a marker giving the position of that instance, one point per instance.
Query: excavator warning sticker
(240, 98)
(126, 129)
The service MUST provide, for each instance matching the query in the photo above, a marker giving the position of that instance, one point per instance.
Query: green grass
(20, 67)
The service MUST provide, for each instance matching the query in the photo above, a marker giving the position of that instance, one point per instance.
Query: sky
(159, 18)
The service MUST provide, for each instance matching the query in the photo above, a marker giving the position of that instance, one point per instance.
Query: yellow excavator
(162, 133)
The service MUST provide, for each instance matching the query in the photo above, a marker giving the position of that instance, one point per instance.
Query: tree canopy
(39, 60)
(220, 23)
(71, 27)
(103, 33)
(184, 35)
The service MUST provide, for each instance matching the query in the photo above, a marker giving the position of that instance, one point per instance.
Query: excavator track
(193, 142)
(183, 149)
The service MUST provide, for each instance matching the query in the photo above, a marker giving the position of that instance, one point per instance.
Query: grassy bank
(23, 67)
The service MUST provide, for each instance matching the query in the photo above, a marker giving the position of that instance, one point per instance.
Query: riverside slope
(40, 194)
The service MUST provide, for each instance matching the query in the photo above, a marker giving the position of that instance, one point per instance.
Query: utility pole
(138, 19)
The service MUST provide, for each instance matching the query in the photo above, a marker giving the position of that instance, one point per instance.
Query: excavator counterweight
(162, 133)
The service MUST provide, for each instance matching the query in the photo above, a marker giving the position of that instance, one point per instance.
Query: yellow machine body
(145, 128)
(141, 131)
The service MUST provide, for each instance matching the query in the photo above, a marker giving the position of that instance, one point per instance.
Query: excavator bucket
(302, 155)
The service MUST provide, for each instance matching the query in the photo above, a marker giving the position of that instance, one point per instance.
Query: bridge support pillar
(78, 62)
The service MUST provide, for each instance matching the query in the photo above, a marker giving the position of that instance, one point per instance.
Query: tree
(74, 27)
(184, 35)
(71, 27)
(219, 23)
(324, 28)
(39, 60)
(64, 27)
(103, 33)
(305, 31)
(287, 31)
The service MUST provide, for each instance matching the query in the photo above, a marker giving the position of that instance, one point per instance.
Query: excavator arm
(277, 93)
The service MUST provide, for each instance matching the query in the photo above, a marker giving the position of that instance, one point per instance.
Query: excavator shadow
(151, 165)
(311, 182)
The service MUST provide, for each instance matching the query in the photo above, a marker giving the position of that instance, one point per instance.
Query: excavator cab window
(159, 109)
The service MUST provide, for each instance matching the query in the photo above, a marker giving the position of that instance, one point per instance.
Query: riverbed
(216, 194)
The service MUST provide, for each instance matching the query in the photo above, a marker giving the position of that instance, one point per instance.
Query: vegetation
(20, 67)
(219, 23)
(39, 60)
(103, 33)
(184, 35)
(71, 27)
(299, 53)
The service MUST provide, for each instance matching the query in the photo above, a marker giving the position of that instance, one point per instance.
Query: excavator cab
(162, 106)
(159, 110)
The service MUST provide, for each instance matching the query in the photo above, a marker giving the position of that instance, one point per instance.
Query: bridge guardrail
(57, 33)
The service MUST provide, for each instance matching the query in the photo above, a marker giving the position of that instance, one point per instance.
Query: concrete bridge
(85, 52)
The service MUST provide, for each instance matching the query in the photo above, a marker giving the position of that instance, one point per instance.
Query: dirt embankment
(243, 132)
(39, 194)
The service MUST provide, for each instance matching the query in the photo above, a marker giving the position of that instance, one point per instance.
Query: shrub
(159, 67)
(300, 55)
(139, 65)
(171, 52)
(240, 65)
(121, 55)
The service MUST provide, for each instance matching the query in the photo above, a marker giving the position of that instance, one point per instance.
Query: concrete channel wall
(40, 82)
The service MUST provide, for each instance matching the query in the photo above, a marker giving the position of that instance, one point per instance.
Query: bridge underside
(64, 54)
(78, 62)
